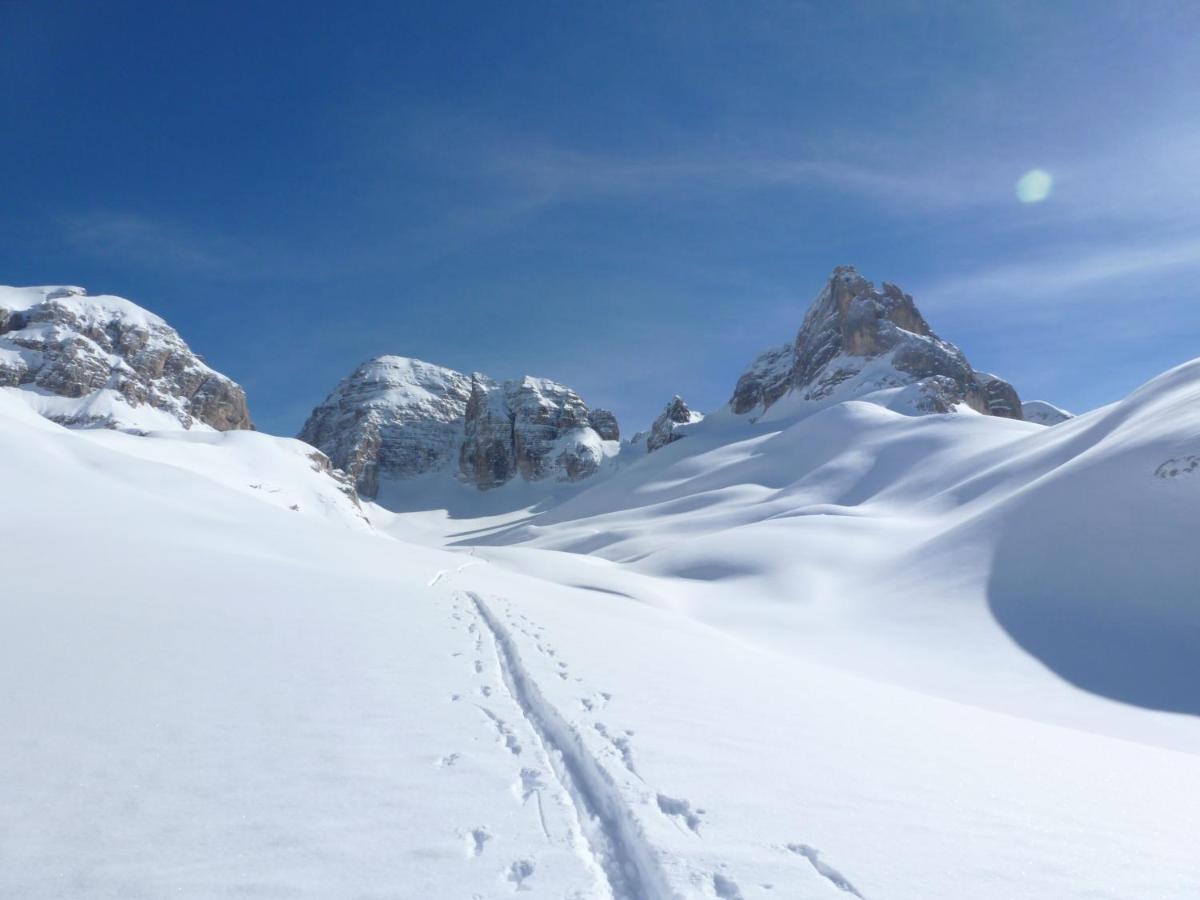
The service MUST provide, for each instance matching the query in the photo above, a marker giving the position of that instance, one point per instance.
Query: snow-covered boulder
(397, 418)
(666, 427)
(1043, 413)
(857, 341)
(105, 361)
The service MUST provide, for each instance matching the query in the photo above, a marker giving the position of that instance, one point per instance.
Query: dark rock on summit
(856, 340)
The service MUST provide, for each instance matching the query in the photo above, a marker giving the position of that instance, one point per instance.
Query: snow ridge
(629, 863)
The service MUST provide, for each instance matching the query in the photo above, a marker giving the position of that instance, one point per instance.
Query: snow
(89, 309)
(1044, 413)
(103, 405)
(832, 653)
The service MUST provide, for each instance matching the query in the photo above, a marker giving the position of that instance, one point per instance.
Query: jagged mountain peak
(666, 428)
(102, 360)
(396, 417)
(859, 341)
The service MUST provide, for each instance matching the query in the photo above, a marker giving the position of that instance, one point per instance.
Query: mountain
(396, 418)
(859, 342)
(838, 653)
(829, 646)
(105, 361)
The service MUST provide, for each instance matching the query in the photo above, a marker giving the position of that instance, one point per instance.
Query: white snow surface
(90, 309)
(850, 653)
(1044, 413)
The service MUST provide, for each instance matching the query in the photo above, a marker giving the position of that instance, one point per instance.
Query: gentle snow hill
(895, 545)
(212, 695)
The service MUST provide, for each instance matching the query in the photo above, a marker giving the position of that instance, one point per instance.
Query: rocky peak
(391, 415)
(857, 341)
(666, 427)
(397, 418)
(105, 361)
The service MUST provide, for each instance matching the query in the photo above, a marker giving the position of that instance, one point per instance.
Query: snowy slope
(878, 541)
(217, 695)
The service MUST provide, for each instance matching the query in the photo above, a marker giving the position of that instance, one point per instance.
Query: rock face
(856, 340)
(397, 418)
(1043, 413)
(392, 415)
(104, 361)
(666, 427)
(533, 428)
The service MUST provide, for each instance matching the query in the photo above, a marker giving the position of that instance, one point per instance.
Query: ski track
(826, 871)
(609, 833)
(627, 861)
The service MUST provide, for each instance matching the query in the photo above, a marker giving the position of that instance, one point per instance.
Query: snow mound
(1044, 413)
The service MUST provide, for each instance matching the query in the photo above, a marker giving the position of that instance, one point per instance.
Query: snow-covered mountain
(832, 644)
(858, 342)
(104, 361)
(395, 418)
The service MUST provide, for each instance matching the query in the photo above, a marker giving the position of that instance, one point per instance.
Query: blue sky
(631, 198)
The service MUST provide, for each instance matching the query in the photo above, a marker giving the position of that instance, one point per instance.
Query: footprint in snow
(520, 872)
(680, 809)
(476, 839)
(726, 888)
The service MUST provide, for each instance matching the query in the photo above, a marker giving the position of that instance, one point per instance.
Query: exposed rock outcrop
(533, 427)
(104, 361)
(856, 340)
(392, 415)
(666, 427)
(397, 418)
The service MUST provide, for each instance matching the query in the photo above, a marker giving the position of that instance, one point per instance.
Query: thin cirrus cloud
(139, 239)
(1065, 276)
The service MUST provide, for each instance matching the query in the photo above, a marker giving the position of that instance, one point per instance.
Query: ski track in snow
(825, 870)
(615, 839)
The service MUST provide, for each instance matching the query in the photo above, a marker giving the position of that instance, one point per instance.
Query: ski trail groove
(628, 862)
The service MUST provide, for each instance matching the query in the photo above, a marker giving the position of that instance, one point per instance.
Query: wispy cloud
(1065, 277)
(140, 240)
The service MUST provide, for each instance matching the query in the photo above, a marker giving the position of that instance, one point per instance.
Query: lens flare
(1034, 186)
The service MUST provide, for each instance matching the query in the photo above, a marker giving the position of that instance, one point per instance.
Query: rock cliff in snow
(104, 361)
(855, 341)
(666, 427)
(396, 418)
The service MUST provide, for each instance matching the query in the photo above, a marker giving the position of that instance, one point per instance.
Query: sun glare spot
(1034, 186)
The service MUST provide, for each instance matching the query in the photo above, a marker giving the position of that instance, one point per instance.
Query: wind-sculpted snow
(215, 659)
(104, 361)
(396, 418)
(1044, 413)
(1077, 538)
(1095, 569)
(859, 342)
